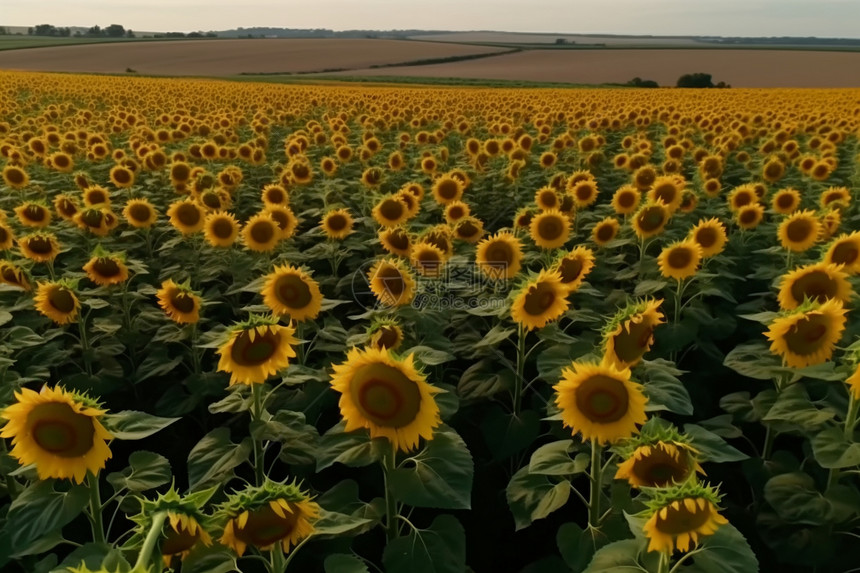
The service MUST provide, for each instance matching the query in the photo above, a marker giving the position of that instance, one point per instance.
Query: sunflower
(187, 216)
(41, 247)
(337, 224)
(58, 431)
(600, 402)
(499, 256)
(391, 282)
(550, 229)
(261, 233)
(96, 220)
(7, 237)
(13, 275)
(372, 177)
(853, 383)
(605, 231)
(96, 195)
(630, 333)
(221, 229)
(626, 199)
(185, 526)
(749, 216)
(428, 259)
(799, 232)
(456, 210)
(140, 213)
(650, 220)
(386, 334)
(57, 301)
(446, 189)
(742, 196)
(121, 176)
(817, 282)
(547, 198)
(658, 463)
(387, 396)
(584, 192)
(710, 235)
(540, 300)
(15, 177)
(395, 240)
(830, 222)
(256, 349)
(390, 211)
(845, 252)
(32, 214)
(807, 335)
(268, 515)
(179, 302)
(786, 201)
(680, 260)
(574, 266)
(469, 229)
(106, 269)
(275, 194)
(289, 291)
(680, 515)
(668, 189)
(839, 197)
(65, 206)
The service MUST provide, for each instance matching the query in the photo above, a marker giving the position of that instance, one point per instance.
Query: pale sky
(823, 18)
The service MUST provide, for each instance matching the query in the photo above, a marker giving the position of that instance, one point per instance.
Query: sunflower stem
(195, 352)
(256, 414)
(277, 555)
(85, 344)
(663, 565)
(767, 449)
(388, 466)
(300, 350)
(96, 509)
(596, 485)
(521, 368)
(294, 551)
(144, 558)
(847, 432)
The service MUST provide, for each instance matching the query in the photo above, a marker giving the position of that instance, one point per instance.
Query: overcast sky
(823, 18)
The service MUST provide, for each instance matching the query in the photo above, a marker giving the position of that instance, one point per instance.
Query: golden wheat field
(342, 329)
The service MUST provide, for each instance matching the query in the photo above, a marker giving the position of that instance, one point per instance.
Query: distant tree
(195, 35)
(211, 35)
(30, 31)
(95, 31)
(44, 30)
(698, 80)
(114, 31)
(560, 41)
(638, 82)
(3, 31)
(65, 32)
(129, 33)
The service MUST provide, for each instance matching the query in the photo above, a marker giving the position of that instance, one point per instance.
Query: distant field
(14, 42)
(740, 68)
(514, 38)
(230, 57)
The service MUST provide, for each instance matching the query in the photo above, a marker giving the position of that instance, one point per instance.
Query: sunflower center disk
(398, 240)
(264, 527)
(816, 286)
(806, 336)
(139, 213)
(570, 270)
(602, 399)
(652, 219)
(183, 302)
(293, 292)
(222, 228)
(539, 299)
(262, 232)
(605, 233)
(385, 395)
(798, 231)
(633, 341)
(679, 258)
(845, 254)
(59, 430)
(178, 541)
(39, 245)
(550, 228)
(247, 353)
(188, 215)
(680, 519)
(62, 300)
(34, 213)
(391, 209)
(659, 469)
(706, 237)
(106, 267)
(392, 281)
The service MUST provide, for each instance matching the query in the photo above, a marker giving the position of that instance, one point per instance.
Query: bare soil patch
(739, 68)
(230, 57)
(515, 38)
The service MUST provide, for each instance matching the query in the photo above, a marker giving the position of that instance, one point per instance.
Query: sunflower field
(287, 328)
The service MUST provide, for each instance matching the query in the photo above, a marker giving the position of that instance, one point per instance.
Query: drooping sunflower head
(680, 515)
(835, 197)
(749, 216)
(391, 282)
(256, 349)
(710, 235)
(844, 252)
(266, 515)
(807, 335)
(221, 229)
(13, 275)
(187, 216)
(499, 256)
(58, 431)
(261, 233)
(605, 231)
(7, 237)
(105, 268)
(786, 201)
(96, 220)
(337, 224)
(600, 402)
(523, 218)
(574, 266)
(186, 525)
(540, 300)
(66, 206)
(469, 229)
(57, 301)
(817, 282)
(630, 333)
(33, 214)
(800, 231)
(140, 213)
(386, 395)
(179, 302)
(550, 229)
(831, 220)
(396, 240)
(626, 199)
(289, 291)
(385, 334)
(680, 260)
(40, 246)
(660, 456)
(650, 220)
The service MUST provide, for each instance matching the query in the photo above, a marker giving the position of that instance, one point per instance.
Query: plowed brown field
(230, 57)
